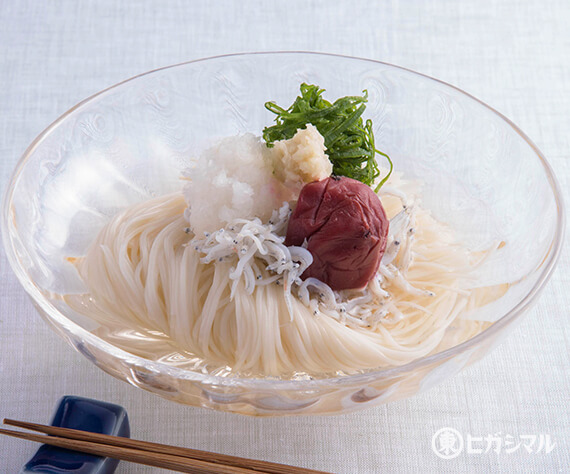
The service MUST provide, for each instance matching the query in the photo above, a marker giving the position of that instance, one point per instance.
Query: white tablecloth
(513, 55)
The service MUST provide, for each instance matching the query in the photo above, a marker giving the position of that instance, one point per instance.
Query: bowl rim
(58, 320)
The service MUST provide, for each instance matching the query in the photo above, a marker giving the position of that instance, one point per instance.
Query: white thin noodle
(142, 274)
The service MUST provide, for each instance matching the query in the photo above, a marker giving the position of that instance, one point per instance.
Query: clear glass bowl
(481, 175)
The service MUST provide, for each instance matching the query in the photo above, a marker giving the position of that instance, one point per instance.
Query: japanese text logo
(448, 443)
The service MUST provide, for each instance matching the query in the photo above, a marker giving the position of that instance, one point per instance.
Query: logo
(447, 443)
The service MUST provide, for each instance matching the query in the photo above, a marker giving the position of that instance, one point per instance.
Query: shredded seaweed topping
(349, 141)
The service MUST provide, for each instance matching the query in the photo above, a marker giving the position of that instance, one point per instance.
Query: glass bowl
(481, 175)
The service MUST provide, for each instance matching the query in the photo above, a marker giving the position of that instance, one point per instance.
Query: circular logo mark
(447, 443)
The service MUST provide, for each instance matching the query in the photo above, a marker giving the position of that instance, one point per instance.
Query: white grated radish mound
(232, 180)
(240, 178)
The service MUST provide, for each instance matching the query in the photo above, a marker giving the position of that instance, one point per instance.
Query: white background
(513, 55)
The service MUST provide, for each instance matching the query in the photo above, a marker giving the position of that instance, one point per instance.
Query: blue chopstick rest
(87, 415)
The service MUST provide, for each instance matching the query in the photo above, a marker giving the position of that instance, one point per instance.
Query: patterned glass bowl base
(480, 174)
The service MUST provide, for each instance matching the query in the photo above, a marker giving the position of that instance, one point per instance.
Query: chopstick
(144, 452)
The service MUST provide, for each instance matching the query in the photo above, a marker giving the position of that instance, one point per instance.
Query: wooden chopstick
(144, 452)
(166, 461)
